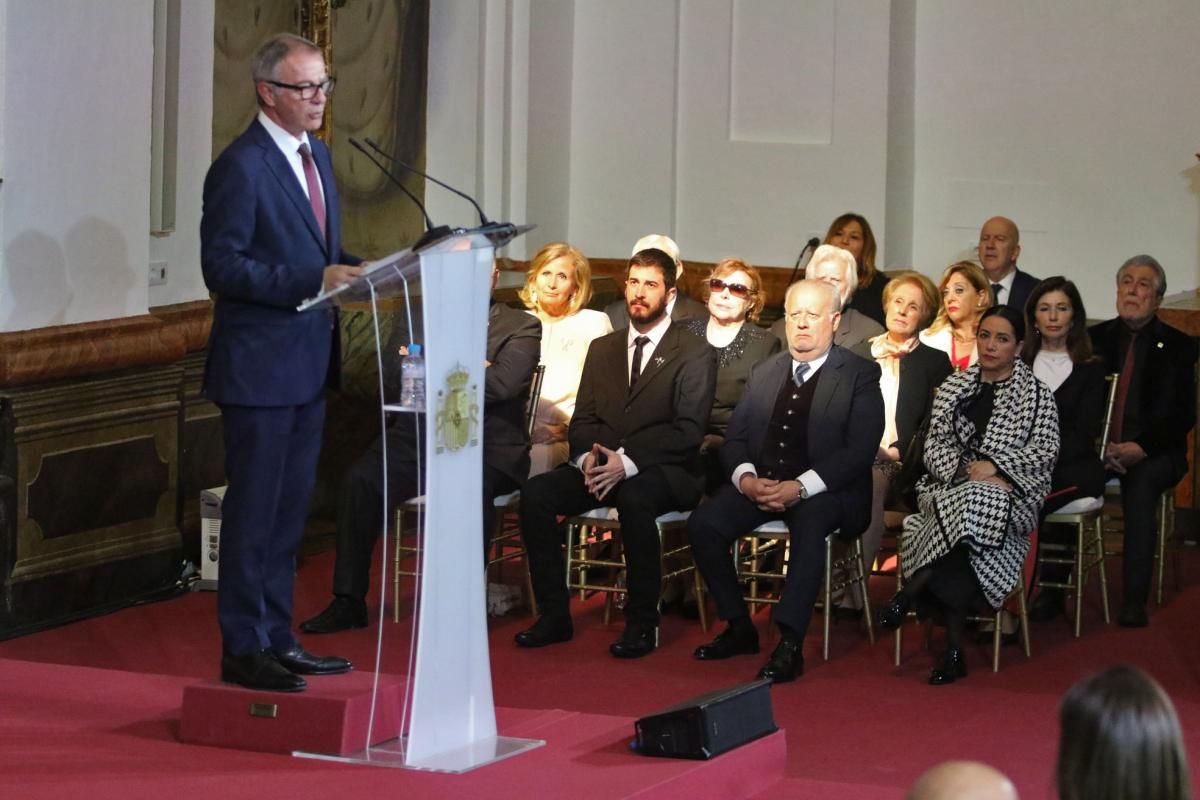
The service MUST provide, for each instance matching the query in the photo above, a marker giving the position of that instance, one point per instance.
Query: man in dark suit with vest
(1155, 408)
(799, 448)
(513, 349)
(999, 246)
(640, 416)
(270, 237)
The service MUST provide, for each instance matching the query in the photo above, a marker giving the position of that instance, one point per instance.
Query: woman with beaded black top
(734, 302)
(910, 373)
(1060, 353)
(990, 450)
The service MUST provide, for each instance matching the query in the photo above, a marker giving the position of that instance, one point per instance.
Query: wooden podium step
(330, 717)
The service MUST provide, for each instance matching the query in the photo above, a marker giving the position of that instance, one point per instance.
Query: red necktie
(314, 187)
(1123, 381)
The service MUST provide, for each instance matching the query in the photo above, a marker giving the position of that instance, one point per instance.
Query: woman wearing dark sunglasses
(734, 301)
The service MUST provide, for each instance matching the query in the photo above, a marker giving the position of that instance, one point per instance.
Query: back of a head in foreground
(1120, 739)
(962, 780)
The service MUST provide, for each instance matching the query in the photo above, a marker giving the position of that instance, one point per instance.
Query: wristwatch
(803, 491)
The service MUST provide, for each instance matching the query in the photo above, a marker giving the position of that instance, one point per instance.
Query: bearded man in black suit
(799, 448)
(640, 416)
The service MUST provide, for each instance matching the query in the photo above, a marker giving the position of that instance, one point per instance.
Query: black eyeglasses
(307, 90)
(716, 285)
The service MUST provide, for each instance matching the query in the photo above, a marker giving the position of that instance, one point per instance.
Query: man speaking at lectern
(270, 237)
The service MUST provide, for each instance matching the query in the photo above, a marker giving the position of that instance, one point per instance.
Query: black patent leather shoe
(342, 614)
(893, 614)
(786, 662)
(547, 630)
(636, 641)
(952, 667)
(260, 670)
(730, 642)
(302, 662)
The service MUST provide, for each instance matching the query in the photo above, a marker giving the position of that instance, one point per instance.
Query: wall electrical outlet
(158, 273)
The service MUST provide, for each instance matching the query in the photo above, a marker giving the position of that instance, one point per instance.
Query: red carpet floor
(856, 727)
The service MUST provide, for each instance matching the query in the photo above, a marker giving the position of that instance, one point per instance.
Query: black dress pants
(717, 524)
(360, 504)
(638, 500)
(1141, 487)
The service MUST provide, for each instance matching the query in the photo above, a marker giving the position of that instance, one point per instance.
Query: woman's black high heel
(952, 667)
(893, 614)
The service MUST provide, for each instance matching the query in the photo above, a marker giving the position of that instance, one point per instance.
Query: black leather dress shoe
(302, 662)
(952, 667)
(730, 642)
(893, 614)
(636, 641)
(342, 614)
(1133, 616)
(786, 662)
(547, 630)
(260, 671)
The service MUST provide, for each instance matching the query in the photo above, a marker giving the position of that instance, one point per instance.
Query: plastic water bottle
(412, 379)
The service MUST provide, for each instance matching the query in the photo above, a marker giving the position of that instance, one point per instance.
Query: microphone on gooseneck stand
(432, 232)
(811, 245)
(483, 220)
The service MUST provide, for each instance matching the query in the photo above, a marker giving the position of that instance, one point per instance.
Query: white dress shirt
(1005, 286)
(290, 147)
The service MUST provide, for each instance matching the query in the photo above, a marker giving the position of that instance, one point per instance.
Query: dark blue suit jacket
(262, 254)
(845, 425)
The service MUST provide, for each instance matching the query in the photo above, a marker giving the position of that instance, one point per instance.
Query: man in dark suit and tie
(799, 448)
(640, 416)
(681, 306)
(270, 236)
(513, 349)
(999, 246)
(1154, 411)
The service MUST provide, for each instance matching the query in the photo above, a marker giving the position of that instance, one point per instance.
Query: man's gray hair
(276, 49)
(835, 301)
(1152, 263)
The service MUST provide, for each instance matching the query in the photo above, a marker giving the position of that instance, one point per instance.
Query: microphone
(432, 232)
(811, 244)
(483, 220)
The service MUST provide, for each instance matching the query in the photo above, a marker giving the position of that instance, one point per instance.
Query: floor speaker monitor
(708, 725)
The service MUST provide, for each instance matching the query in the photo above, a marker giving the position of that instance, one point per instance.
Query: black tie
(636, 371)
(996, 293)
(801, 371)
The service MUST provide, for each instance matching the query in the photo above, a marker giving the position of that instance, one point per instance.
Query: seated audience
(1120, 740)
(910, 373)
(962, 780)
(640, 416)
(734, 298)
(852, 233)
(992, 443)
(966, 294)
(557, 289)
(1060, 353)
(999, 246)
(799, 448)
(1154, 412)
(513, 339)
(835, 266)
(681, 305)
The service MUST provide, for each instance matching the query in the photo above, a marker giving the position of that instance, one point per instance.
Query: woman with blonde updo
(966, 294)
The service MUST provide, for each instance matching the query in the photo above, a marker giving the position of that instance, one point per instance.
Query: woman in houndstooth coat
(991, 448)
